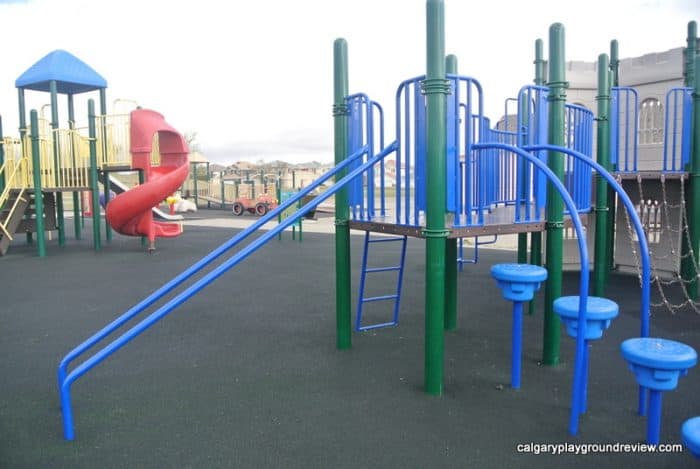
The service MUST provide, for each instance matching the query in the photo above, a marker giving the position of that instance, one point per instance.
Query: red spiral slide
(129, 213)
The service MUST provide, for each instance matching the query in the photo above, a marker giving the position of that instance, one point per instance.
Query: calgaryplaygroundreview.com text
(593, 448)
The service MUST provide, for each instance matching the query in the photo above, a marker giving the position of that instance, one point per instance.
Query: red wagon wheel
(260, 209)
(238, 209)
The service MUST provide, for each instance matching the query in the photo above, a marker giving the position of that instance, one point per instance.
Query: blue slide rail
(66, 379)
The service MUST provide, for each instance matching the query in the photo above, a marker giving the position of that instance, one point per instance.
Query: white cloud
(257, 76)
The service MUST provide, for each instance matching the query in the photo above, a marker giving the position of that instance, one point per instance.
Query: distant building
(652, 75)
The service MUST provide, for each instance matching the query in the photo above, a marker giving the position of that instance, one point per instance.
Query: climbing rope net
(656, 220)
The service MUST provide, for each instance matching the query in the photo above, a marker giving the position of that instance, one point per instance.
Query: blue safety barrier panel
(624, 129)
(677, 129)
(366, 128)
(578, 124)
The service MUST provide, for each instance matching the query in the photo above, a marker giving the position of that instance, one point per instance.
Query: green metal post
(555, 216)
(536, 237)
(688, 267)
(107, 187)
(615, 62)
(94, 183)
(694, 203)
(60, 222)
(601, 262)
(279, 199)
(451, 267)
(691, 52)
(142, 181)
(223, 192)
(435, 88)
(194, 176)
(343, 285)
(38, 195)
(208, 185)
(22, 113)
(615, 81)
(77, 222)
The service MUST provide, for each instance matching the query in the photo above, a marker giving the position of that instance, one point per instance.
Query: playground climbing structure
(47, 161)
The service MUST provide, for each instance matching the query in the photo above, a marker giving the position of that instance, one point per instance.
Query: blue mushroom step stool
(657, 365)
(598, 315)
(518, 283)
(690, 435)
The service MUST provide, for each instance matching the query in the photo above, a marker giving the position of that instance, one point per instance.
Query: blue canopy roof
(71, 74)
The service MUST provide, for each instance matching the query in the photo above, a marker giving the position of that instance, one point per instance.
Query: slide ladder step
(395, 297)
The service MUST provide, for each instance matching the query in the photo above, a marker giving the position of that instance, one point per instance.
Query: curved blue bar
(643, 246)
(579, 366)
(193, 289)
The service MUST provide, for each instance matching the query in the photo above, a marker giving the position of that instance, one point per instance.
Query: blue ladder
(396, 297)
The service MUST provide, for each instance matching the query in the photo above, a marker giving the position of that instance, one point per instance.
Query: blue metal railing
(677, 129)
(464, 126)
(624, 129)
(66, 379)
(500, 177)
(578, 124)
(366, 120)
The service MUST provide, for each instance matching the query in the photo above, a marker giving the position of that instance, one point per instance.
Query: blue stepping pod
(658, 363)
(518, 282)
(599, 314)
(690, 435)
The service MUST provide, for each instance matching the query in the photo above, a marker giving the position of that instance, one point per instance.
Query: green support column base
(451, 285)
(435, 310)
(343, 286)
(553, 289)
(60, 220)
(535, 259)
(77, 222)
(522, 248)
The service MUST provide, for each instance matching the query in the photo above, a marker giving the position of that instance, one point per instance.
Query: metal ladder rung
(396, 297)
(379, 298)
(377, 326)
(383, 269)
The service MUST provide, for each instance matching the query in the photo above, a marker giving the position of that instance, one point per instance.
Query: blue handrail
(577, 395)
(643, 248)
(196, 267)
(644, 253)
(182, 297)
(636, 223)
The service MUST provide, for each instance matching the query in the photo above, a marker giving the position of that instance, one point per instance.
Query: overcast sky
(254, 79)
